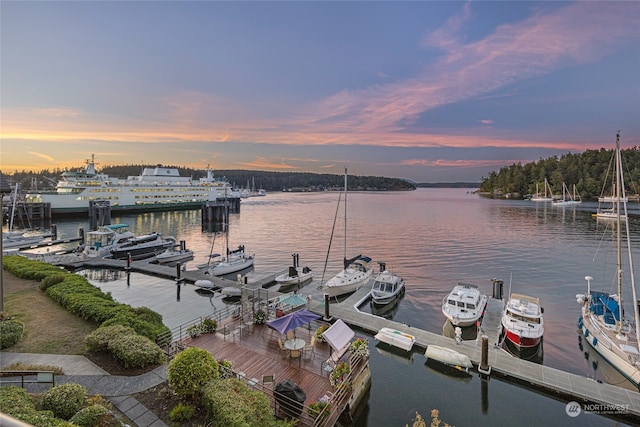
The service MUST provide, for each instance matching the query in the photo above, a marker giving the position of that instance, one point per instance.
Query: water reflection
(599, 369)
(532, 354)
(443, 369)
(395, 353)
(387, 310)
(469, 333)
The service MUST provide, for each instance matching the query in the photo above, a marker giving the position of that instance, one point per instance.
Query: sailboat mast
(618, 229)
(345, 217)
(636, 309)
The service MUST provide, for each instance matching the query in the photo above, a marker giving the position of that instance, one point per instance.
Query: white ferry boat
(156, 188)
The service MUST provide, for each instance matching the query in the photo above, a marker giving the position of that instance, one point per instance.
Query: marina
(545, 379)
(420, 306)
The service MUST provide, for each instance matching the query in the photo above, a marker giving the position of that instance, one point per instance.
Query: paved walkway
(80, 370)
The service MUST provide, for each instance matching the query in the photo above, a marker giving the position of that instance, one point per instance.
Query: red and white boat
(522, 321)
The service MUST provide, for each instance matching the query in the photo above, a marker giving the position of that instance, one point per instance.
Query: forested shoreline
(591, 172)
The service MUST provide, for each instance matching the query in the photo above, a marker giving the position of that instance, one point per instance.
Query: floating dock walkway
(544, 378)
(549, 380)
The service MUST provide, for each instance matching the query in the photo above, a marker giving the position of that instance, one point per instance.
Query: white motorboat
(141, 247)
(23, 239)
(100, 242)
(386, 286)
(172, 255)
(356, 272)
(464, 305)
(296, 274)
(448, 357)
(396, 338)
(604, 324)
(156, 188)
(523, 322)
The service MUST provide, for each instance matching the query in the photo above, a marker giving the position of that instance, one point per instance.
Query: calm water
(434, 238)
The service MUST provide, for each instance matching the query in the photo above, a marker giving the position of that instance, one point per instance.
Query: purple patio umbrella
(292, 320)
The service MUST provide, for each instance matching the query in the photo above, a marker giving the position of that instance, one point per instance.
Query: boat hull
(597, 340)
(521, 342)
(346, 282)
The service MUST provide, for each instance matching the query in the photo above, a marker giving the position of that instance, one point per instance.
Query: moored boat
(523, 322)
(296, 274)
(464, 305)
(172, 255)
(386, 286)
(357, 271)
(396, 338)
(448, 357)
(613, 332)
(155, 188)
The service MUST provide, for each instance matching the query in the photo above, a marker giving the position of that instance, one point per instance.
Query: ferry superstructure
(157, 188)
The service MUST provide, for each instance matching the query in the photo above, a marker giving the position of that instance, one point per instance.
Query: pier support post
(326, 317)
(484, 367)
(129, 260)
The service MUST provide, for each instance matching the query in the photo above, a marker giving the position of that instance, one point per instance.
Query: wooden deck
(255, 352)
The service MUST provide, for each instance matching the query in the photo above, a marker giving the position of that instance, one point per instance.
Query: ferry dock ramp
(551, 381)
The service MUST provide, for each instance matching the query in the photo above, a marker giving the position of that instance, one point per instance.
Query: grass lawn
(49, 328)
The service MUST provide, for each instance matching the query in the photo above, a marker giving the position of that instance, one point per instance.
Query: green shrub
(225, 368)
(15, 400)
(190, 370)
(64, 400)
(25, 268)
(209, 326)
(99, 339)
(51, 280)
(232, 403)
(194, 330)
(10, 332)
(319, 333)
(136, 351)
(91, 416)
(182, 413)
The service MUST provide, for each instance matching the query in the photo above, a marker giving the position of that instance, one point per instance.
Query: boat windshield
(523, 318)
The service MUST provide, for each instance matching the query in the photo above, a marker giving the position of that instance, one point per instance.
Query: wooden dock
(554, 382)
(551, 381)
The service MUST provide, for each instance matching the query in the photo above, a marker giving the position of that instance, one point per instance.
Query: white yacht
(464, 305)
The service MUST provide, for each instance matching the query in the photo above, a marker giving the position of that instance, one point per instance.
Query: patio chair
(309, 348)
(282, 347)
(268, 379)
(291, 335)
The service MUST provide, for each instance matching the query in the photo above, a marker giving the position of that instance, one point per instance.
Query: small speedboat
(464, 305)
(386, 286)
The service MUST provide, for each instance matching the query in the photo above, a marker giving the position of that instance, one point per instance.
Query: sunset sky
(426, 90)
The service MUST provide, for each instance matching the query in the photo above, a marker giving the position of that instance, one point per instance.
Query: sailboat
(607, 204)
(235, 260)
(604, 323)
(547, 196)
(567, 199)
(357, 271)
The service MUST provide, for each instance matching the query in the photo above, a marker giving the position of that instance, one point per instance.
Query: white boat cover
(396, 338)
(339, 337)
(448, 356)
